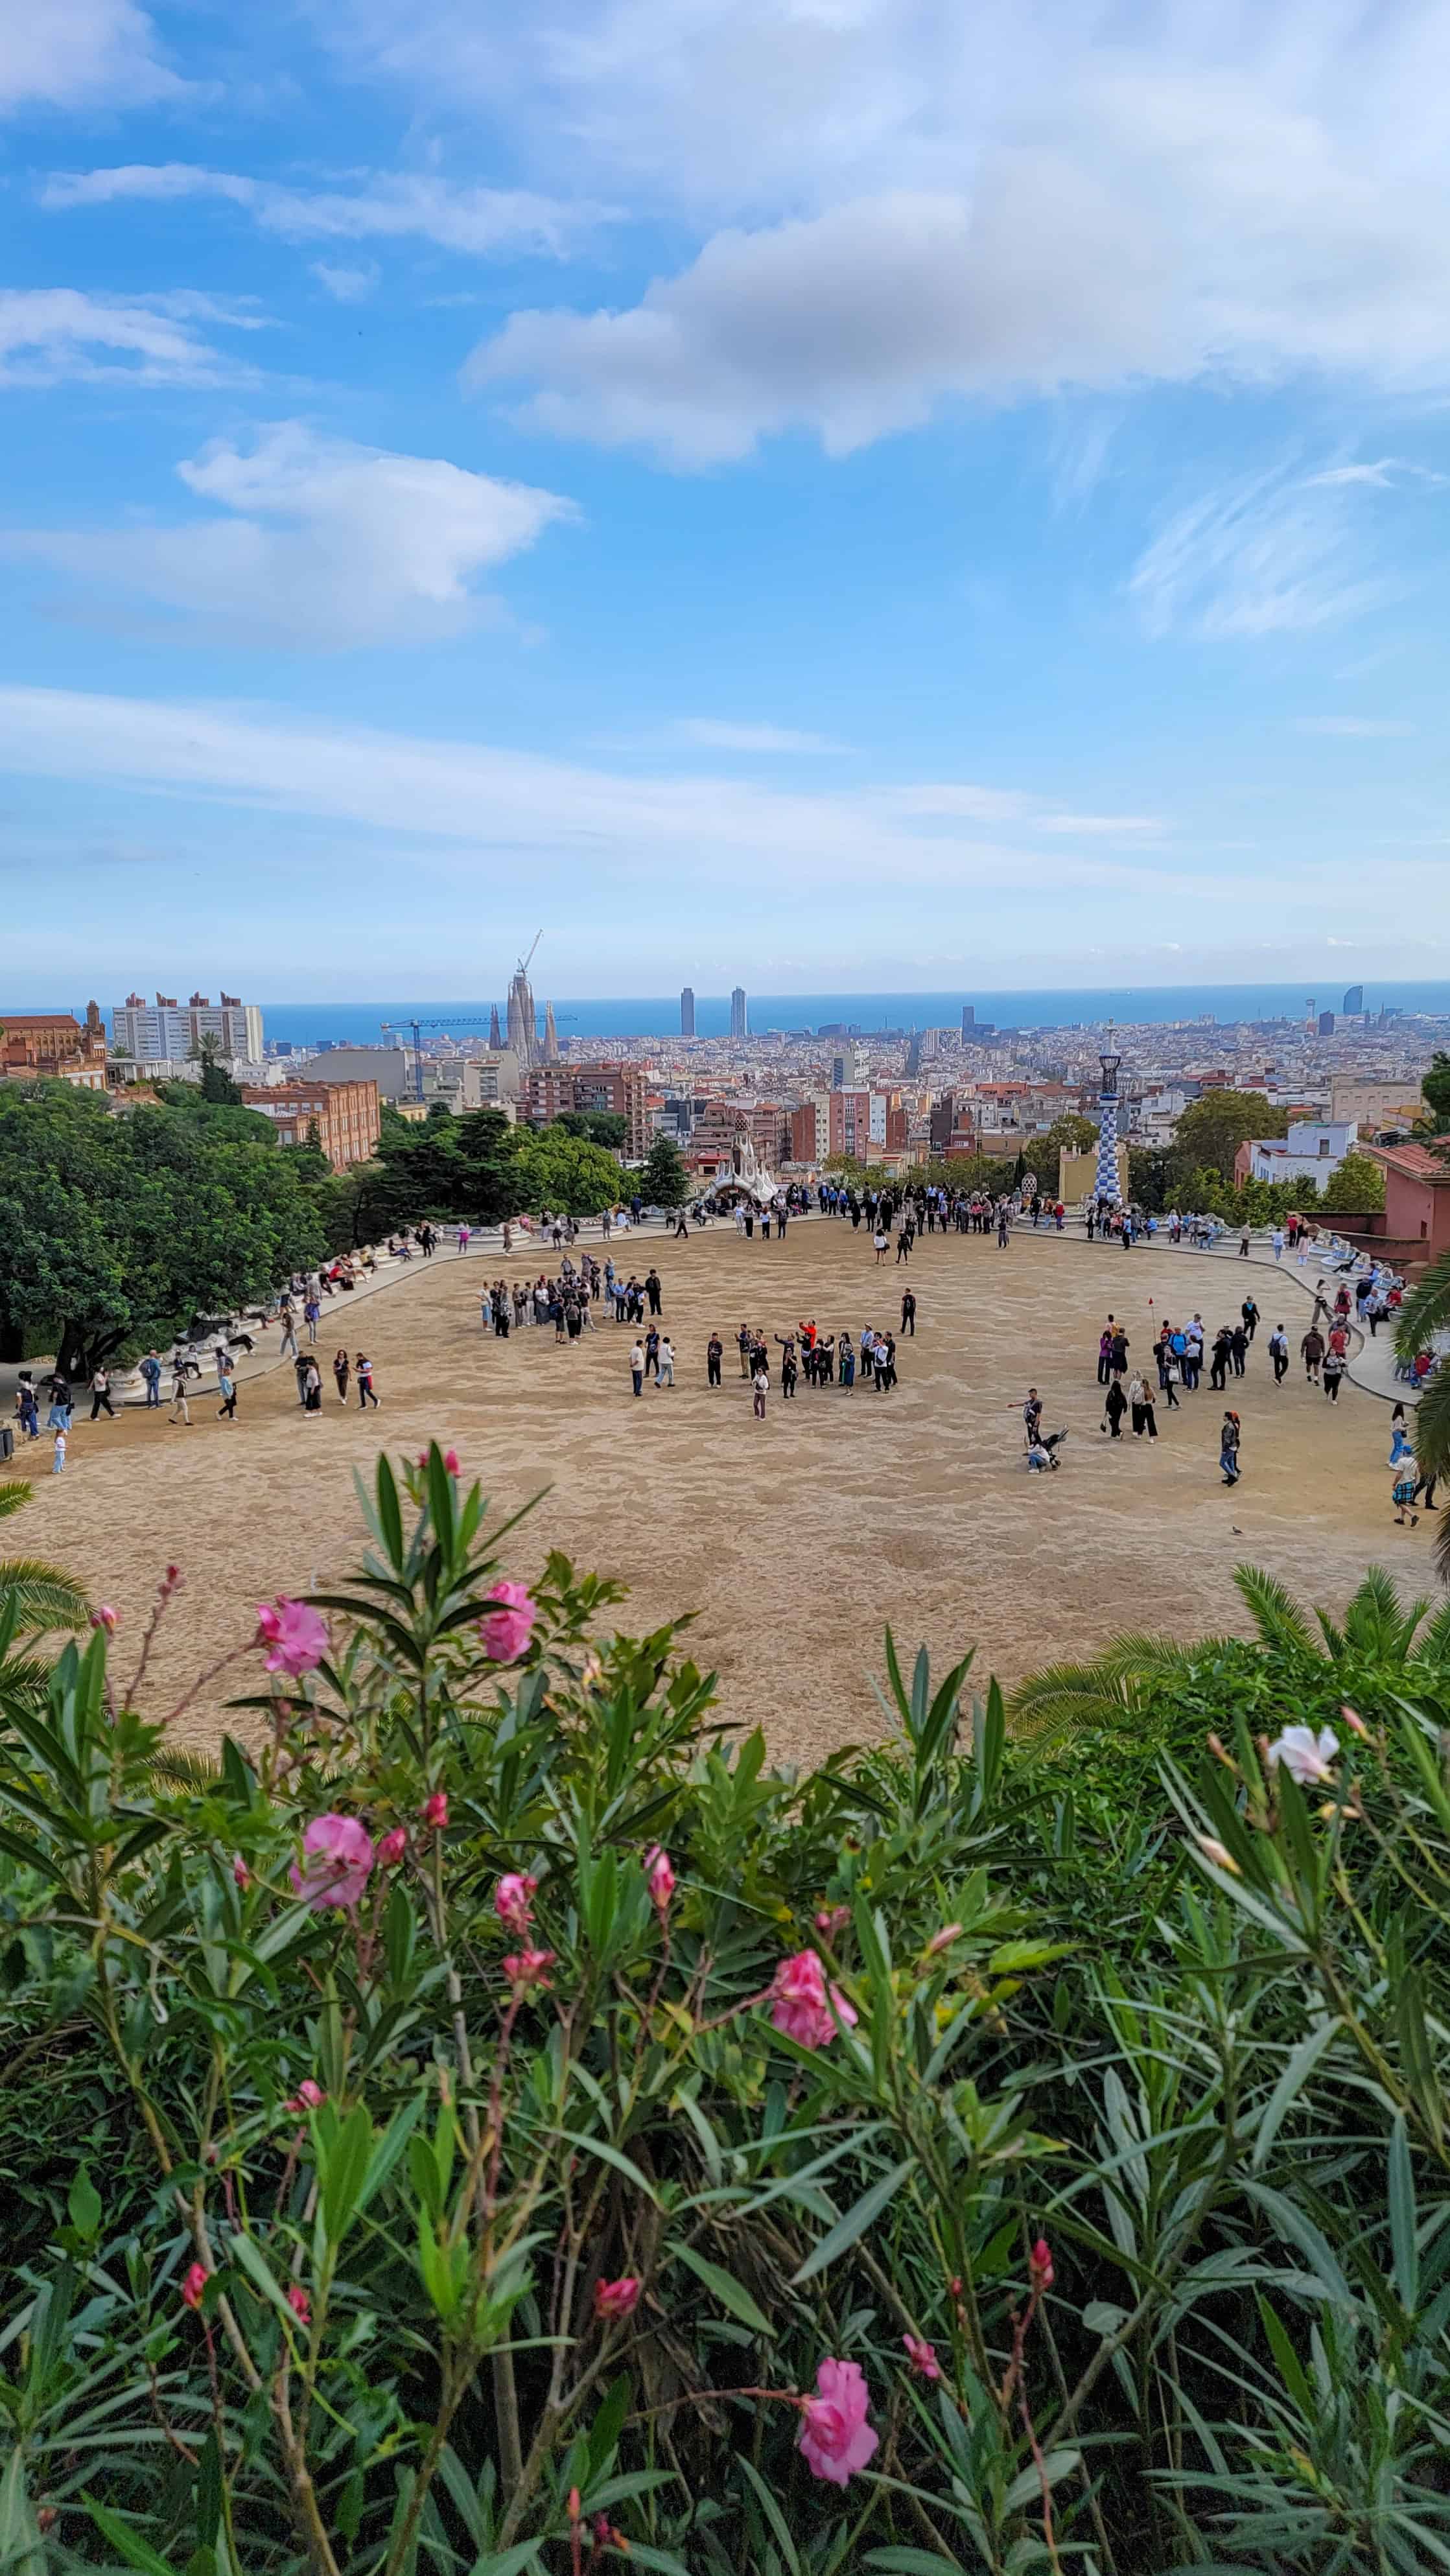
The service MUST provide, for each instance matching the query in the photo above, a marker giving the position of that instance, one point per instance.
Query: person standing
(465, 1237)
(636, 1368)
(908, 1314)
(101, 1396)
(760, 1384)
(1138, 1403)
(1278, 1243)
(57, 1460)
(714, 1353)
(1238, 1342)
(151, 1377)
(1105, 1354)
(879, 1241)
(342, 1371)
(745, 1344)
(1228, 1448)
(366, 1392)
(1115, 1405)
(1244, 1244)
(312, 1388)
(846, 1361)
(665, 1364)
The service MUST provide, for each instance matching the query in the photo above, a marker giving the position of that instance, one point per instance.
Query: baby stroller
(1042, 1451)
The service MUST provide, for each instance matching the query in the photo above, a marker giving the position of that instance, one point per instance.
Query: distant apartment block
(345, 1115)
(56, 1045)
(623, 1088)
(168, 1032)
(739, 1015)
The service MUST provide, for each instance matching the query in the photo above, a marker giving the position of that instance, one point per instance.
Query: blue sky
(832, 494)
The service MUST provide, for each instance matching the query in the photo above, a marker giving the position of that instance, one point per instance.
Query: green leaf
(390, 1515)
(508, 2562)
(136, 2551)
(724, 2286)
(612, 2156)
(208, 2492)
(772, 2513)
(854, 2224)
(245, 2250)
(345, 2171)
(1299, 2067)
(1402, 2218)
(913, 2562)
(84, 2204)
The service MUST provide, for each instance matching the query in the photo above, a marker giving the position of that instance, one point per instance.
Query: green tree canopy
(1212, 1129)
(1069, 1134)
(664, 1181)
(606, 1127)
(1356, 1188)
(1435, 1091)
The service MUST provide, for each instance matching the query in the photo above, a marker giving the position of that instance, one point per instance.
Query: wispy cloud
(1257, 556)
(477, 221)
(1366, 726)
(312, 542)
(347, 285)
(1385, 475)
(714, 735)
(55, 335)
(82, 53)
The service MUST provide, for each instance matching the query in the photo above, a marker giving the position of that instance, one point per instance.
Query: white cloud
(955, 800)
(54, 334)
(933, 204)
(1257, 556)
(1387, 475)
(385, 206)
(323, 543)
(347, 285)
(652, 832)
(80, 53)
(714, 735)
(1367, 727)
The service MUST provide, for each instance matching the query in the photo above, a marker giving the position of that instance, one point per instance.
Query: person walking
(1244, 1244)
(1222, 1354)
(1333, 1372)
(366, 1391)
(1138, 1404)
(288, 1321)
(1228, 1448)
(151, 1379)
(714, 1353)
(1278, 1243)
(342, 1372)
(1250, 1313)
(1311, 1351)
(665, 1364)
(178, 1392)
(312, 1388)
(1114, 1407)
(760, 1384)
(101, 1396)
(465, 1237)
(227, 1390)
(1279, 1353)
(1403, 1492)
(1238, 1342)
(636, 1368)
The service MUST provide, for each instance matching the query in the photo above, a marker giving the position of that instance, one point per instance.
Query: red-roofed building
(1417, 1196)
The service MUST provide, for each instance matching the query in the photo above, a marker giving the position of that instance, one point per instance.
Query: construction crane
(526, 962)
(466, 1021)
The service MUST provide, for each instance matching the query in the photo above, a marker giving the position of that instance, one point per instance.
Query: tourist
(908, 1314)
(1250, 1313)
(27, 1411)
(682, 1231)
(1238, 1342)
(1279, 1353)
(665, 1364)
(1105, 1353)
(1278, 1241)
(903, 1244)
(1425, 1485)
(1403, 1492)
(178, 1392)
(1222, 1355)
(1118, 1351)
(342, 1371)
(879, 1239)
(101, 1395)
(760, 1384)
(312, 1388)
(57, 1460)
(1140, 1404)
(1228, 1448)
(366, 1392)
(745, 1344)
(289, 1330)
(653, 1288)
(1244, 1244)
(227, 1390)
(846, 1361)
(714, 1353)
(465, 1237)
(151, 1379)
(1311, 1350)
(636, 1367)
(1114, 1407)
(1334, 1366)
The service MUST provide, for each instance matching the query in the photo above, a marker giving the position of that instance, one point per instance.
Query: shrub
(497, 2122)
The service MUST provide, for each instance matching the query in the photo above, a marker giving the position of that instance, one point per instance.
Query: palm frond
(1426, 1311)
(1376, 1624)
(14, 1495)
(1334, 1638)
(1275, 1612)
(178, 1770)
(1430, 1430)
(47, 1596)
(1434, 1646)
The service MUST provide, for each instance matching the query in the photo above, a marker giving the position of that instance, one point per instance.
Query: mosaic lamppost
(1105, 1186)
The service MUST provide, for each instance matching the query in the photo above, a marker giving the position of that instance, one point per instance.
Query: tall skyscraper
(969, 1018)
(523, 1022)
(687, 1012)
(1354, 1002)
(1326, 1024)
(739, 1018)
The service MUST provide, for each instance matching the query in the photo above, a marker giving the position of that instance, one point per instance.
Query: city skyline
(464, 466)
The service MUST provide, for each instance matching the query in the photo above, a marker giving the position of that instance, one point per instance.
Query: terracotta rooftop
(1415, 1161)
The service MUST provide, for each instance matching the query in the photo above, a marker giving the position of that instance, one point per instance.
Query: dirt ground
(796, 1539)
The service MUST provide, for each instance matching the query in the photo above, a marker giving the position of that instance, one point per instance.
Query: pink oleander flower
(505, 1632)
(309, 2096)
(832, 1920)
(798, 2002)
(1039, 2265)
(338, 1856)
(922, 2357)
(513, 1899)
(659, 1877)
(193, 2286)
(435, 1810)
(942, 1940)
(296, 1634)
(300, 2304)
(1354, 1722)
(1219, 1854)
(836, 2439)
(450, 1461)
(103, 1616)
(529, 1967)
(617, 2298)
(240, 1872)
(392, 1847)
(1306, 1756)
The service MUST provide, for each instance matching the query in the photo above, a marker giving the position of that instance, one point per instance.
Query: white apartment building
(169, 1032)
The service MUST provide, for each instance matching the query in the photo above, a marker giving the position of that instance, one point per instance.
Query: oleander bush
(494, 2121)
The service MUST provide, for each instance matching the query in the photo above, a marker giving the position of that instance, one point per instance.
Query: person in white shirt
(636, 1367)
(665, 1373)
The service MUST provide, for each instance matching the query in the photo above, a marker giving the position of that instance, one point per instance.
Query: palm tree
(1117, 1687)
(45, 1596)
(1424, 1315)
